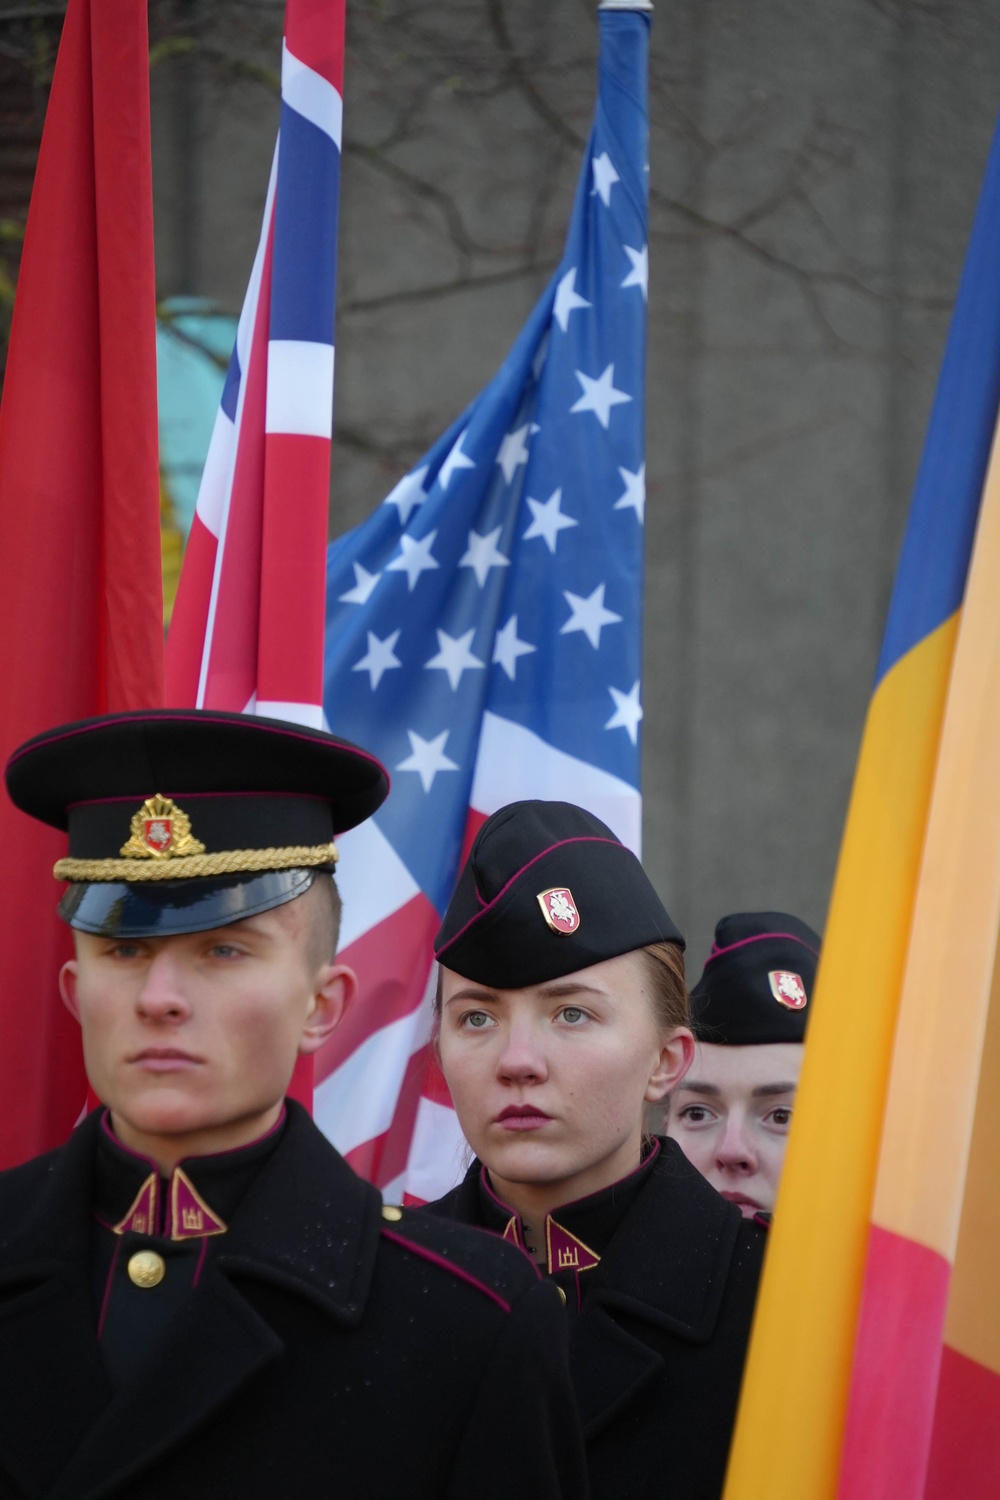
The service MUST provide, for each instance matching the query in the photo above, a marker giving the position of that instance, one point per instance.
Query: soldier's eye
(781, 1115)
(695, 1114)
(477, 1020)
(573, 1015)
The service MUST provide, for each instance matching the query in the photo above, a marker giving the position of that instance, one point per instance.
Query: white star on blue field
(503, 574)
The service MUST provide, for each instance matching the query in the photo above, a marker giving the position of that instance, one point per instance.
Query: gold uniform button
(146, 1268)
(392, 1213)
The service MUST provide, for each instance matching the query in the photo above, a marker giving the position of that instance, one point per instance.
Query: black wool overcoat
(657, 1347)
(326, 1352)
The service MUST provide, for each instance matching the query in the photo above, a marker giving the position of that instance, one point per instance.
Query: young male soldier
(732, 1112)
(197, 1297)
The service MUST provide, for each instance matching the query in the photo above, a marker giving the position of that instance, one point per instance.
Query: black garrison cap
(185, 819)
(547, 889)
(758, 980)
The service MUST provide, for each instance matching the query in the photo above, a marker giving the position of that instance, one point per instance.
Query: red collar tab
(564, 1252)
(141, 1217)
(513, 1234)
(190, 1216)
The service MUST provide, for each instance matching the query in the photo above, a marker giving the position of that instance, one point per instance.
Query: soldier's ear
(676, 1056)
(336, 986)
(67, 988)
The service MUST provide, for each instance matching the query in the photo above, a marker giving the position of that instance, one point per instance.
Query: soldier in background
(732, 1112)
(197, 1296)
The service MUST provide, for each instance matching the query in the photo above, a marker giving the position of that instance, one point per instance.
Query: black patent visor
(118, 908)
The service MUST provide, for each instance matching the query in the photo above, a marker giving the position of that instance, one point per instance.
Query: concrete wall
(814, 174)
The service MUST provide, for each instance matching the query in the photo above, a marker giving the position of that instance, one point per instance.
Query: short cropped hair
(324, 919)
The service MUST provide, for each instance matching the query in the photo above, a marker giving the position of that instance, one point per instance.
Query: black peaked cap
(547, 889)
(181, 820)
(191, 750)
(758, 980)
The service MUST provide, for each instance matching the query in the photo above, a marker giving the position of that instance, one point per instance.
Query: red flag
(81, 613)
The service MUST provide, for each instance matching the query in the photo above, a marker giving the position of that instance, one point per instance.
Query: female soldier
(562, 1014)
(732, 1113)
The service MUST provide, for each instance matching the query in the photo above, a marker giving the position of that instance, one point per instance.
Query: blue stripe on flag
(305, 232)
(930, 582)
(231, 389)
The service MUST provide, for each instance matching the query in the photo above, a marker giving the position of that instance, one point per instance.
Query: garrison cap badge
(559, 910)
(787, 988)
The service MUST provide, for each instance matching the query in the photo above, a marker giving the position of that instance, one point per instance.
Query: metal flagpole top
(625, 5)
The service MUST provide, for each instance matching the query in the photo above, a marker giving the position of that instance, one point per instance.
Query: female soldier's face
(550, 1081)
(731, 1117)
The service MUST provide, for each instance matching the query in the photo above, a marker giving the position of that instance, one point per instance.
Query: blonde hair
(664, 966)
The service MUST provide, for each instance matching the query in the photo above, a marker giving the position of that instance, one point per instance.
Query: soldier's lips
(522, 1117)
(747, 1206)
(165, 1060)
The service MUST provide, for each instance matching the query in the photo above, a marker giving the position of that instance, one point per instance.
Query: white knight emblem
(559, 910)
(788, 989)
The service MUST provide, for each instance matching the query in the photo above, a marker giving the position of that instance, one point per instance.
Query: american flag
(247, 628)
(484, 636)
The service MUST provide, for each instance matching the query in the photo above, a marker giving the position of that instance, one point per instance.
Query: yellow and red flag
(874, 1369)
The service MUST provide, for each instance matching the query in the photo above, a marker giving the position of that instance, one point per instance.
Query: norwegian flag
(247, 628)
(246, 632)
(484, 637)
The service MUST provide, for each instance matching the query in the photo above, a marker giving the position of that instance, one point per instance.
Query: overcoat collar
(198, 1198)
(668, 1261)
(661, 1279)
(49, 1358)
(662, 1276)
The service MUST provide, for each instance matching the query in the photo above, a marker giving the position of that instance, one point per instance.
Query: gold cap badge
(160, 830)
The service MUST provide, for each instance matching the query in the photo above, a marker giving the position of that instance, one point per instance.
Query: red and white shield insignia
(788, 989)
(158, 833)
(160, 830)
(559, 910)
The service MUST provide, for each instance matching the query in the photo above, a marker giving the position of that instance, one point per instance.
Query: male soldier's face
(191, 1039)
(731, 1116)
